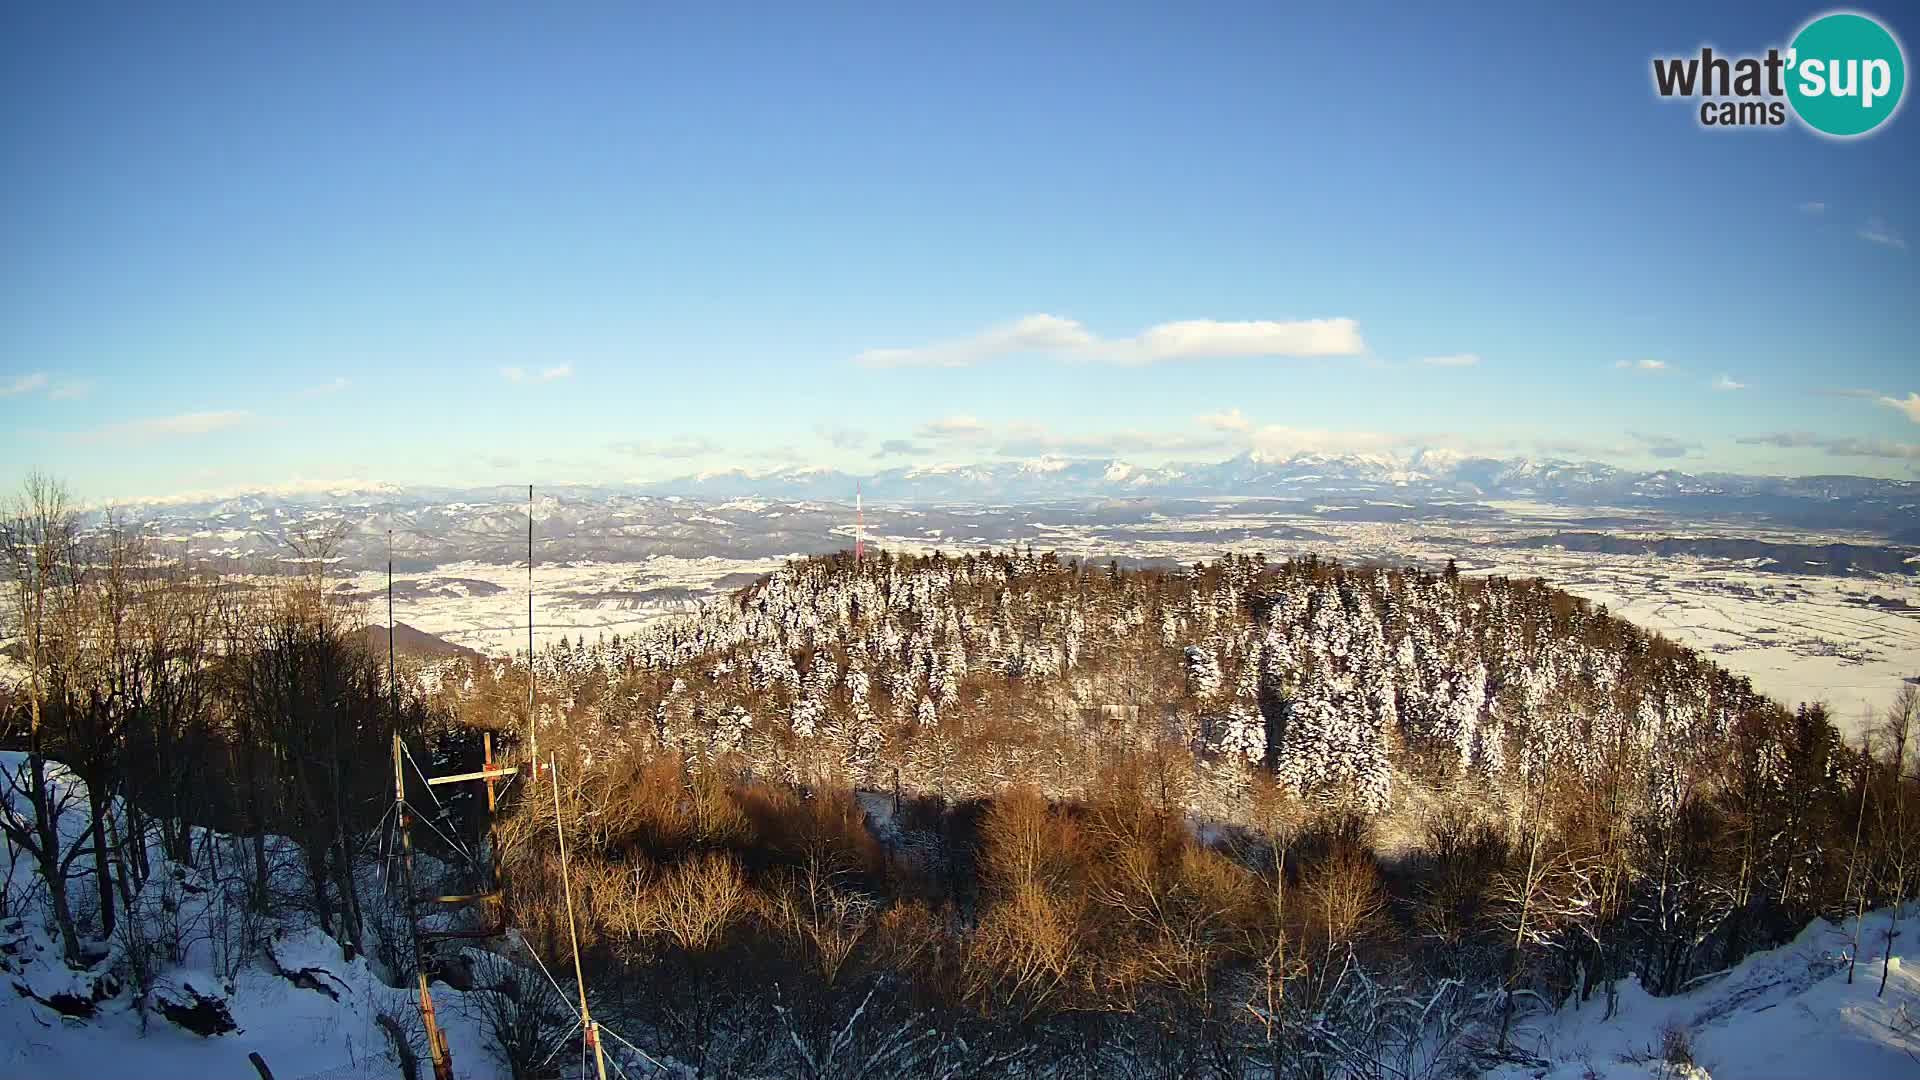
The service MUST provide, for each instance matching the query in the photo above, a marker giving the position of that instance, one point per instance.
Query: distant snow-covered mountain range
(1423, 474)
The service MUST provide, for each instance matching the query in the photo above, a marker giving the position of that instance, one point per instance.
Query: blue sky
(251, 247)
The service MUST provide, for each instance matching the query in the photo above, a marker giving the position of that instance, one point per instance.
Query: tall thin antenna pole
(533, 731)
(393, 687)
(859, 526)
(436, 1041)
(437, 1047)
(587, 1023)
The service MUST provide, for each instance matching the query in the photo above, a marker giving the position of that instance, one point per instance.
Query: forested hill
(957, 675)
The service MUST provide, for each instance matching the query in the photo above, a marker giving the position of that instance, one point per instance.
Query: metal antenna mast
(489, 896)
(859, 526)
(393, 687)
(436, 1041)
(588, 1026)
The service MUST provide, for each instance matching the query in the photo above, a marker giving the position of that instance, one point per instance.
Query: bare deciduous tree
(1897, 831)
(40, 541)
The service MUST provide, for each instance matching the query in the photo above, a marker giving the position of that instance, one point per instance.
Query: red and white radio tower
(859, 527)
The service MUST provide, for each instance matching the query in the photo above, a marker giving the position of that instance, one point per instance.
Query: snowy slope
(299, 1032)
(1784, 1014)
(295, 1000)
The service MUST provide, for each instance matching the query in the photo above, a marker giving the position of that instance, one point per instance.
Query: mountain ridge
(1441, 474)
(1438, 474)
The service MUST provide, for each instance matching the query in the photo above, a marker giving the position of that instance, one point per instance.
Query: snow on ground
(570, 599)
(298, 1032)
(309, 1013)
(1799, 637)
(1784, 1014)
(1802, 639)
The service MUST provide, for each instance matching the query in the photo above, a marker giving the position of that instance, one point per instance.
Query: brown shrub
(1027, 946)
(1464, 856)
(1026, 844)
(646, 803)
(1344, 895)
(910, 938)
(619, 899)
(716, 817)
(694, 902)
(821, 915)
(826, 830)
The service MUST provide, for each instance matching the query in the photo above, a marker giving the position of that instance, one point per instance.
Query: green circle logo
(1845, 74)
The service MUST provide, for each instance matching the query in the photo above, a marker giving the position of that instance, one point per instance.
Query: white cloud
(1280, 439)
(1726, 382)
(1814, 207)
(1877, 231)
(14, 385)
(958, 426)
(163, 427)
(33, 382)
(331, 386)
(1909, 405)
(1231, 420)
(1030, 440)
(1032, 333)
(1183, 340)
(1455, 360)
(1199, 338)
(1837, 446)
(1640, 365)
(1581, 448)
(841, 438)
(1136, 441)
(1020, 439)
(1662, 446)
(676, 446)
(1226, 431)
(552, 374)
(783, 453)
